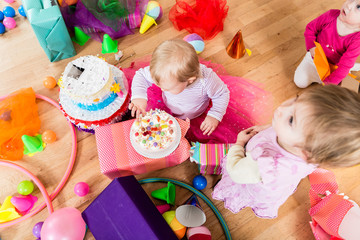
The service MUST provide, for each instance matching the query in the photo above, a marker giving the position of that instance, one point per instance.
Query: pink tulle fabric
(249, 105)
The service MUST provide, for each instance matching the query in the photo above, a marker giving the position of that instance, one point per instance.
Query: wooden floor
(272, 29)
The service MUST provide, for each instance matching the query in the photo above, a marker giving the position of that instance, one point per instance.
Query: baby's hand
(209, 125)
(137, 107)
(245, 135)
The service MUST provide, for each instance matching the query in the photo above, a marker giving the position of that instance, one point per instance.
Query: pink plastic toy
(81, 189)
(9, 23)
(24, 203)
(37, 182)
(65, 223)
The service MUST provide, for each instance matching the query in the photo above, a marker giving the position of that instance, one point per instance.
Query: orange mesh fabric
(18, 116)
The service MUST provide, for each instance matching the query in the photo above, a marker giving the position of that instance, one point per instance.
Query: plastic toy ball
(196, 41)
(9, 23)
(199, 182)
(22, 11)
(2, 28)
(37, 229)
(1, 16)
(81, 189)
(49, 82)
(8, 11)
(48, 136)
(25, 187)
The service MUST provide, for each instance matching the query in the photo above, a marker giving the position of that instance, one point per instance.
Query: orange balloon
(49, 82)
(48, 136)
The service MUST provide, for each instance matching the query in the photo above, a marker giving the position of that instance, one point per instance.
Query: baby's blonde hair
(332, 130)
(174, 59)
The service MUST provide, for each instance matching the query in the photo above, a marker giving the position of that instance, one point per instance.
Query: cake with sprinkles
(157, 133)
(92, 93)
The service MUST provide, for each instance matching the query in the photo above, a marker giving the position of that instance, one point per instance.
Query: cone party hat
(80, 37)
(146, 23)
(191, 214)
(236, 48)
(32, 144)
(109, 45)
(167, 193)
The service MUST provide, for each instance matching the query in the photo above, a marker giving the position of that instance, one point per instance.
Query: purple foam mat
(124, 211)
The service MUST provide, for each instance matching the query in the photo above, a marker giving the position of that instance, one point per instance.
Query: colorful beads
(2, 28)
(48, 136)
(25, 187)
(22, 11)
(49, 82)
(9, 12)
(9, 23)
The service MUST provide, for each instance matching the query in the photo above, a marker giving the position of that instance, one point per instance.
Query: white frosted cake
(92, 92)
(156, 134)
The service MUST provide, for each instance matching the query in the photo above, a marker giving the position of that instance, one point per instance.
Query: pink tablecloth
(118, 158)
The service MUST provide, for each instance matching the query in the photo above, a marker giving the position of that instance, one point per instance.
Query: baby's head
(174, 65)
(350, 14)
(323, 125)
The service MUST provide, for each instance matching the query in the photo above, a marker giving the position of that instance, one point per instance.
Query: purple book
(124, 211)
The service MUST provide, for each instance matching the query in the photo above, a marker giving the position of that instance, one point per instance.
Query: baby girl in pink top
(338, 32)
(304, 135)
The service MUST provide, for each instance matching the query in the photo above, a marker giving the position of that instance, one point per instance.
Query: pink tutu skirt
(249, 105)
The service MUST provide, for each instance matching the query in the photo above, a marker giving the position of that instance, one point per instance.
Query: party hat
(32, 144)
(7, 211)
(191, 214)
(146, 23)
(163, 208)
(154, 10)
(80, 37)
(167, 193)
(236, 48)
(24, 203)
(109, 45)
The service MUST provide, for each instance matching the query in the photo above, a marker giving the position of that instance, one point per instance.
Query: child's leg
(355, 68)
(306, 72)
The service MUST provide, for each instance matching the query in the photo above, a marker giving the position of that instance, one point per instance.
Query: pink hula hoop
(48, 198)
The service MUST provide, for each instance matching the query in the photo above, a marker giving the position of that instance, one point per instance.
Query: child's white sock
(356, 67)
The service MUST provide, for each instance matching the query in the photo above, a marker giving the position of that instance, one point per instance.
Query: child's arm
(346, 62)
(241, 169)
(217, 90)
(141, 82)
(314, 27)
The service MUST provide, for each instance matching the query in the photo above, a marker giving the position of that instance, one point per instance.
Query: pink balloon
(64, 224)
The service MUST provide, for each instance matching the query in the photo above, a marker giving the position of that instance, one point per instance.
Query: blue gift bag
(50, 29)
